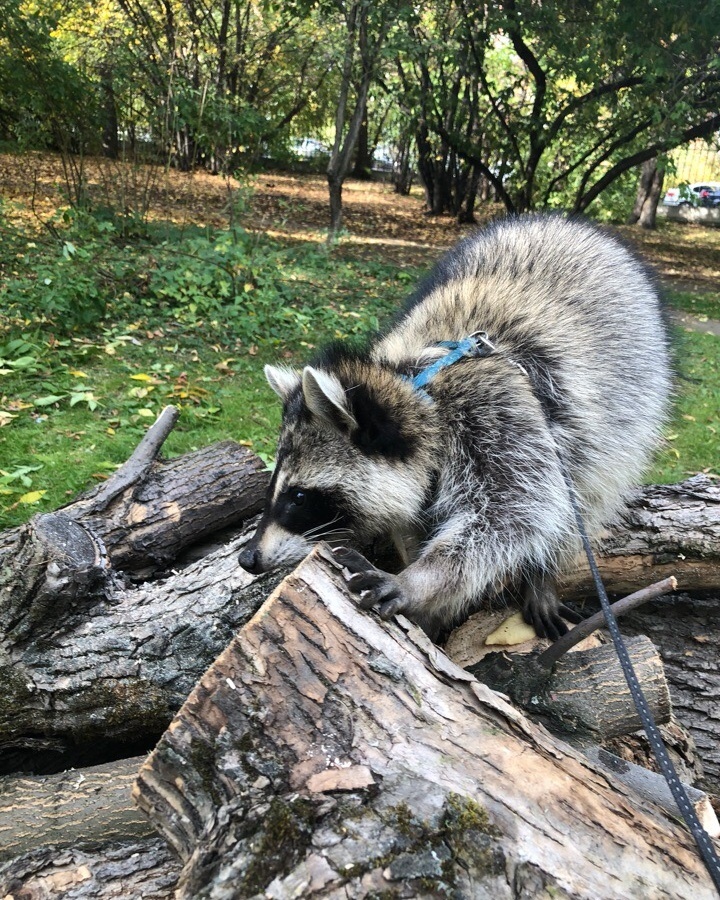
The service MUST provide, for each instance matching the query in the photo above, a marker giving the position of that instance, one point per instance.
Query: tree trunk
(648, 214)
(648, 195)
(111, 141)
(326, 753)
(362, 167)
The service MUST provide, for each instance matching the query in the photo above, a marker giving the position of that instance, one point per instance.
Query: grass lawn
(189, 315)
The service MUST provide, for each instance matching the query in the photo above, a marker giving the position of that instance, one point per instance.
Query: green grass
(692, 442)
(75, 401)
(74, 405)
(697, 303)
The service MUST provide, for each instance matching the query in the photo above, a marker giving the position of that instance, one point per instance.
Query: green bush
(230, 283)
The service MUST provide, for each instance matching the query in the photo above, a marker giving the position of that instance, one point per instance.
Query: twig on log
(136, 467)
(548, 658)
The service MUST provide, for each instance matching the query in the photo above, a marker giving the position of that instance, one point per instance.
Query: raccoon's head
(353, 461)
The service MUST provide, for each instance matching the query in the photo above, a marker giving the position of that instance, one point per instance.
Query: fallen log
(117, 673)
(666, 530)
(81, 806)
(138, 522)
(326, 753)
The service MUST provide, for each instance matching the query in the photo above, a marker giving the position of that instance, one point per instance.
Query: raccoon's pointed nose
(249, 559)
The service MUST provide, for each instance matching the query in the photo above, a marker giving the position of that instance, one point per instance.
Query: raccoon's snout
(249, 559)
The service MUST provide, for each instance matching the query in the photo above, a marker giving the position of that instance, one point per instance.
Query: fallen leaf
(32, 497)
(514, 630)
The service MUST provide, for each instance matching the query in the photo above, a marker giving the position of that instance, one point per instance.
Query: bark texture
(326, 753)
(666, 530)
(137, 870)
(119, 669)
(76, 807)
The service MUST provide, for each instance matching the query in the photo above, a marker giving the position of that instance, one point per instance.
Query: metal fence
(696, 162)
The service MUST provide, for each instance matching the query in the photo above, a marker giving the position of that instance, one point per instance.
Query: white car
(702, 193)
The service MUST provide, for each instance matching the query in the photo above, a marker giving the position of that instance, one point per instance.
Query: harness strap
(479, 345)
(475, 346)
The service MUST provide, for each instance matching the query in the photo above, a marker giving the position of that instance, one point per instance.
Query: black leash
(479, 345)
(702, 838)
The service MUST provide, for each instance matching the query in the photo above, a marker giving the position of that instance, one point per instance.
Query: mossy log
(326, 753)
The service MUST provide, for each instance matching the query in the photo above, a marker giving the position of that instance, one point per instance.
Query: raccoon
(465, 474)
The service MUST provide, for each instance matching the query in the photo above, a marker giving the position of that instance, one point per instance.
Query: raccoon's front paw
(374, 587)
(543, 610)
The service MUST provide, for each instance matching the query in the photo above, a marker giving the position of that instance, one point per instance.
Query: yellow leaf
(141, 377)
(109, 349)
(77, 373)
(249, 287)
(147, 413)
(32, 497)
(110, 430)
(514, 630)
(6, 417)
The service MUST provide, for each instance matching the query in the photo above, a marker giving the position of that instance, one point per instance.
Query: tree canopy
(546, 104)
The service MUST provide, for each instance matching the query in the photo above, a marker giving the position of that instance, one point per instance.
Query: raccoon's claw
(547, 623)
(374, 587)
(542, 608)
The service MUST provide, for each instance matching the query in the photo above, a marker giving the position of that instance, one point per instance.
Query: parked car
(702, 193)
(308, 148)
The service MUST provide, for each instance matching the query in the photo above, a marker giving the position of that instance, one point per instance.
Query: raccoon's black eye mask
(311, 511)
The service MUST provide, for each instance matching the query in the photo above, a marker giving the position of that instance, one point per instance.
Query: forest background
(190, 189)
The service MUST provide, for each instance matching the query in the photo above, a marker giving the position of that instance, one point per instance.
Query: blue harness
(475, 346)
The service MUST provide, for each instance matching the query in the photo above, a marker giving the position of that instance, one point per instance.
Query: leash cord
(478, 345)
(702, 838)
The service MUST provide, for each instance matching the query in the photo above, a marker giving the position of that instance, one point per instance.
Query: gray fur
(470, 482)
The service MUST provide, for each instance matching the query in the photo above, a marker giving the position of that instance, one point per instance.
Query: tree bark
(75, 807)
(665, 530)
(134, 870)
(116, 671)
(326, 753)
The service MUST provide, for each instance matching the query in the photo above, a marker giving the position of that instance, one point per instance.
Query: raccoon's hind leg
(542, 607)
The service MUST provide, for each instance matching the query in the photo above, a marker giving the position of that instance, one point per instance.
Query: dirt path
(695, 323)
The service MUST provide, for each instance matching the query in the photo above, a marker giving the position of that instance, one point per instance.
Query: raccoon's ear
(283, 380)
(326, 398)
